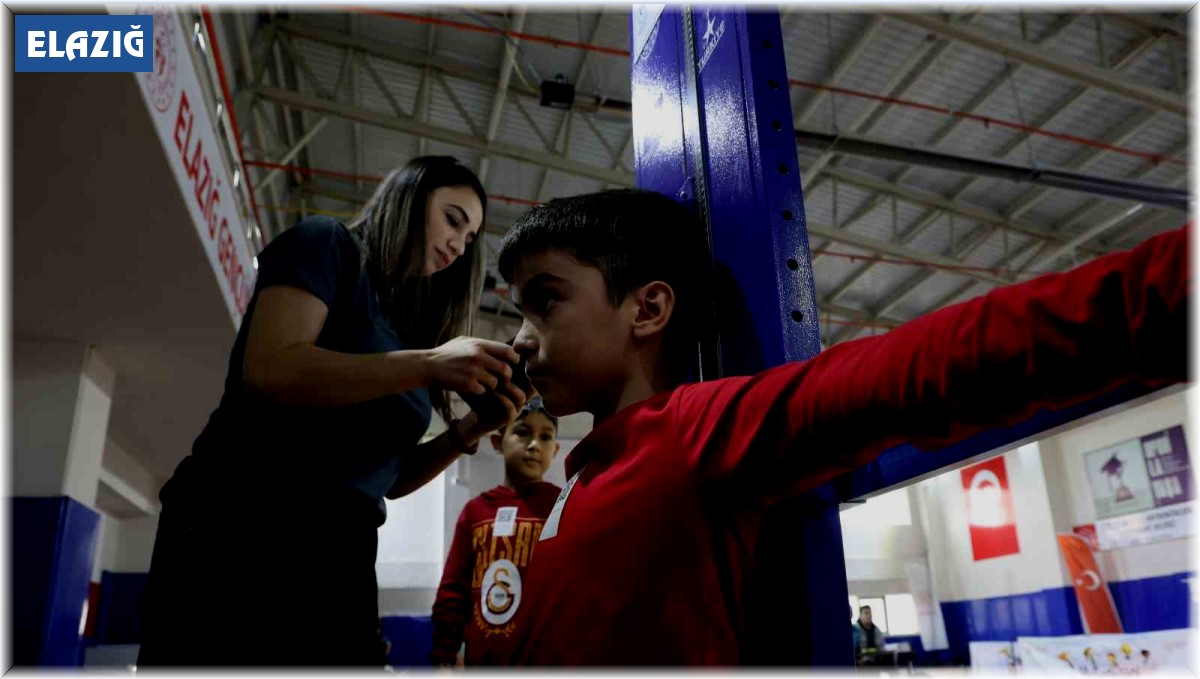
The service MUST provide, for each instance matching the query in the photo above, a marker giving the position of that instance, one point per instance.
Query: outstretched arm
(993, 361)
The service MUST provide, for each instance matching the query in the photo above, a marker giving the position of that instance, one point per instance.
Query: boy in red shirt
(481, 588)
(649, 550)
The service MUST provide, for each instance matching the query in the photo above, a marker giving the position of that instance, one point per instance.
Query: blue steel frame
(712, 126)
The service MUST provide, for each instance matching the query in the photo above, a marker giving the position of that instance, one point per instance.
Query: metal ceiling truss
(1046, 244)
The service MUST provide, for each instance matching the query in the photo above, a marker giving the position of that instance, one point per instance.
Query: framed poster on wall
(1141, 489)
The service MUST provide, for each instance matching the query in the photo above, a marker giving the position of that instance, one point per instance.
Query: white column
(61, 398)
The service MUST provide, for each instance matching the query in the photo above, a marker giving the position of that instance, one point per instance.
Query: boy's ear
(557, 447)
(655, 304)
(496, 440)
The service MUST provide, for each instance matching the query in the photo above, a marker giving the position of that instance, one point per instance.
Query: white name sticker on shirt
(550, 529)
(506, 522)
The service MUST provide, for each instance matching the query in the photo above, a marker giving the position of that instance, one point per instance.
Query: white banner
(993, 657)
(177, 105)
(1169, 523)
(1107, 654)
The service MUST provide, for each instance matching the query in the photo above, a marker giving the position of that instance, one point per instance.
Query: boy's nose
(525, 343)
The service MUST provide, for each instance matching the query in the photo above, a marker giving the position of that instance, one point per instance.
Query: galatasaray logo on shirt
(500, 592)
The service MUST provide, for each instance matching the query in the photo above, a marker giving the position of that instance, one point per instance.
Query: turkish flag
(1095, 601)
(990, 516)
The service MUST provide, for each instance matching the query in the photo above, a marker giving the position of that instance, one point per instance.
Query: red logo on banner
(1095, 601)
(990, 516)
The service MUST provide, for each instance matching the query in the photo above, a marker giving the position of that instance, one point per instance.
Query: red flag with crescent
(991, 519)
(1095, 601)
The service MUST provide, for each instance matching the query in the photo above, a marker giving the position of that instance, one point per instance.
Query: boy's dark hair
(633, 237)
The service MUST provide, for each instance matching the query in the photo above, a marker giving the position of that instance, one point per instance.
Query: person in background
(853, 632)
(355, 334)
(870, 637)
(494, 541)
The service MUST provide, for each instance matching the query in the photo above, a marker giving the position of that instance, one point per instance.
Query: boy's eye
(547, 438)
(538, 303)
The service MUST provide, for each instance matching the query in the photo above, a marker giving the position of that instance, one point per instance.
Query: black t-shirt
(270, 444)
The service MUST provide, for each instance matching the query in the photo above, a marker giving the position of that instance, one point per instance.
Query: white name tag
(551, 528)
(506, 522)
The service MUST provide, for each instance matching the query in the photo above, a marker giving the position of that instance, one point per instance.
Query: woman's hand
(472, 428)
(471, 365)
(441, 452)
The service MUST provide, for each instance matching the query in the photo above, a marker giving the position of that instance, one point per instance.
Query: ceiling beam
(507, 63)
(920, 197)
(900, 252)
(846, 59)
(1053, 62)
(907, 75)
(1060, 25)
(427, 60)
(1102, 186)
(305, 102)
(1040, 249)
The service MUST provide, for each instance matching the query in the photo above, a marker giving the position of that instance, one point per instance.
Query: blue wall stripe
(53, 548)
(1154, 604)
(1145, 605)
(411, 637)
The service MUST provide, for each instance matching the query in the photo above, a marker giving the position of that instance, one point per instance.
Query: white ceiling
(104, 253)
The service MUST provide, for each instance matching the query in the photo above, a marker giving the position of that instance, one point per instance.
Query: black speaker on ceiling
(558, 93)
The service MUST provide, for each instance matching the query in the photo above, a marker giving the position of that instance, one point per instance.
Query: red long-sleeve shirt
(481, 560)
(654, 544)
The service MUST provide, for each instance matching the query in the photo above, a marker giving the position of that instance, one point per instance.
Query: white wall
(118, 462)
(62, 394)
(128, 506)
(135, 544)
(1050, 496)
(956, 575)
(107, 544)
(411, 540)
(875, 553)
(1072, 499)
(90, 427)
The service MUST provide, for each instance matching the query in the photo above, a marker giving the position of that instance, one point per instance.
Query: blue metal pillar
(712, 126)
(53, 548)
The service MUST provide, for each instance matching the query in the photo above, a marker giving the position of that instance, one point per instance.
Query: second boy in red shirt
(482, 583)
